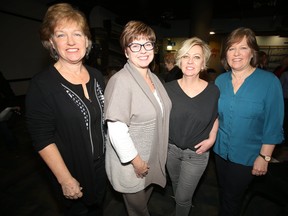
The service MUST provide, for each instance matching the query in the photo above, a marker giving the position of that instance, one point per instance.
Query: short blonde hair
(188, 44)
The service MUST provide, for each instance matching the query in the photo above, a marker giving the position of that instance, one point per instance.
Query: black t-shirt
(191, 119)
(174, 74)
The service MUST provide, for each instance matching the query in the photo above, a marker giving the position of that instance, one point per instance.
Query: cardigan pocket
(143, 136)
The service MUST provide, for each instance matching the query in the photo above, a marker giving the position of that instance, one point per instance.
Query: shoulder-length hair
(237, 36)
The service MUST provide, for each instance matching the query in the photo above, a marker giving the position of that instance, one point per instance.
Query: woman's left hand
(260, 167)
(203, 146)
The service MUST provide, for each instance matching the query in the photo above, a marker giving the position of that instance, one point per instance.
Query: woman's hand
(206, 144)
(260, 167)
(71, 189)
(140, 167)
(70, 186)
(203, 146)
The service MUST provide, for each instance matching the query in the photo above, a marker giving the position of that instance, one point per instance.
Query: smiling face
(239, 55)
(142, 58)
(70, 42)
(193, 61)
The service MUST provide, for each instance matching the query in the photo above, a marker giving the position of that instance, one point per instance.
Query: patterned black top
(58, 112)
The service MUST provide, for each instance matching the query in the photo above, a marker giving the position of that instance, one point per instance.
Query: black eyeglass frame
(142, 45)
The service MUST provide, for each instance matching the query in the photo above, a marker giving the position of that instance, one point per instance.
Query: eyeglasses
(136, 47)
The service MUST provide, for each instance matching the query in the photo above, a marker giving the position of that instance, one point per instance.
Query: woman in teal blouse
(251, 114)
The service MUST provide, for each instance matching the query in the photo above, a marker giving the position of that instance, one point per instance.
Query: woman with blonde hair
(193, 122)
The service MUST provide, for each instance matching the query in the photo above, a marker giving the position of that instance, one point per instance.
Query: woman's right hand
(71, 189)
(140, 167)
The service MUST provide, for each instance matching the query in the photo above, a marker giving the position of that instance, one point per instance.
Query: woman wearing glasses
(137, 112)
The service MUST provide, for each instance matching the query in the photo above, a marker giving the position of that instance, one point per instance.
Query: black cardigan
(58, 112)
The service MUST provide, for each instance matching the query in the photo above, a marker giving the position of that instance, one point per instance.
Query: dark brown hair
(235, 37)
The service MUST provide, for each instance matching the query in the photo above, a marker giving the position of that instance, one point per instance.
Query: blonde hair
(56, 14)
(188, 44)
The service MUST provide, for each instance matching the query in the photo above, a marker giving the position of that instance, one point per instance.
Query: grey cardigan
(128, 99)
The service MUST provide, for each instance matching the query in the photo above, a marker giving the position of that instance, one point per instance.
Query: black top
(7, 96)
(58, 112)
(174, 74)
(191, 119)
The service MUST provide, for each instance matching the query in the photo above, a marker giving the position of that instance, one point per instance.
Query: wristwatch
(265, 157)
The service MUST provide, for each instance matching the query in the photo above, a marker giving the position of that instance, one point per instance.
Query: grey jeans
(185, 169)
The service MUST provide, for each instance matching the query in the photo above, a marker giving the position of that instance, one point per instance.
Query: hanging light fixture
(170, 45)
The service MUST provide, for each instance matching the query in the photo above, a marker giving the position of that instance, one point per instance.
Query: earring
(87, 55)
(55, 54)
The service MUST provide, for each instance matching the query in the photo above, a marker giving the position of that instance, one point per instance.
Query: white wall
(272, 41)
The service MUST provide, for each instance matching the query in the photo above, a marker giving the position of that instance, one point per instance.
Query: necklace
(244, 75)
(81, 78)
(238, 80)
(150, 83)
(151, 80)
(75, 75)
(192, 89)
(75, 78)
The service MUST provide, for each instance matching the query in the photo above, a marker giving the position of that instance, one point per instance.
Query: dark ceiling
(153, 11)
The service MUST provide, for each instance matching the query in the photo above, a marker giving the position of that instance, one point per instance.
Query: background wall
(22, 54)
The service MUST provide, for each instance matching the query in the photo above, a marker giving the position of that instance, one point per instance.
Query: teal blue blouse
(251, 117)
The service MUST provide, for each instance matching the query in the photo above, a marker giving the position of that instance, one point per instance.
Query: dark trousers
(137, 203)
(78, 208)
(233, 180)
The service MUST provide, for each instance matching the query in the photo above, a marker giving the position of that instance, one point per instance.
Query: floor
(24, 190)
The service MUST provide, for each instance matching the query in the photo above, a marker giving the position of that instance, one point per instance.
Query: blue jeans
(185, 169)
